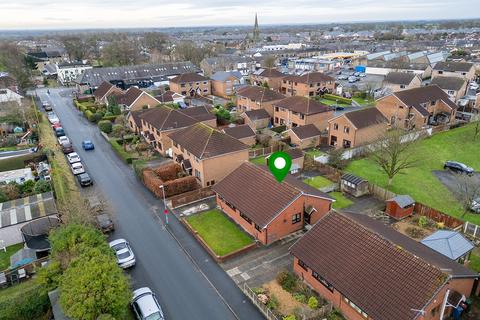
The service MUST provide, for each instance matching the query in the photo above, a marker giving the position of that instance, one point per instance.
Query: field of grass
(17, 289)
(318, 182)
(5, 256)
(342, 201)
(222, 235)
(259, 160)
(420, 182)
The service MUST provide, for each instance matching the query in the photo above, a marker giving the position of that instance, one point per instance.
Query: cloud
(29, 14)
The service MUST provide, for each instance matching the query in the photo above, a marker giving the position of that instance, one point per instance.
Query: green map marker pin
(279, 163)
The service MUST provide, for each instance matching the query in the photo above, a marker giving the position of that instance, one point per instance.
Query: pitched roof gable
(205, 142)
(365, 117)
(449, 83)
(259, 94)
(451, 66)
(257, 114)
(257, 194)
(383, 279)
(303, 105)
(404, 78)
(240, 131)
(188, 77)
(417, 96)
(306, 131)
(164, 118)
(102, 90)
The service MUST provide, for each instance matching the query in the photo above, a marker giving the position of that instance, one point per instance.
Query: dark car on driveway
(458, 167)
(67, 147)
(84, 179)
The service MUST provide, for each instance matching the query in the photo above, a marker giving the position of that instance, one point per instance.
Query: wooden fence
(438, 216)
(472, 230)
(262, 151)
(12, 276)
(262, 307)
(380, 193)
(189, 197)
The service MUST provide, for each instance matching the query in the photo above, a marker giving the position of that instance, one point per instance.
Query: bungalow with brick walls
(134, 120)
(243, 133)
(256, 119)
(417, 108)
(207, 153)
(396, 81)
(308, 85)
(191, 84)
(299, 111)
(465, 70)
(134, 99)
(256, 98)
(305, 137)
(356, 128)
(368, 270)
(157, 123)
(455, 87)
(271, 76)
(266, 209)
(104, 90)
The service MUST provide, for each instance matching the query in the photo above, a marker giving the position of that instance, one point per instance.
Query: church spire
(256, 30)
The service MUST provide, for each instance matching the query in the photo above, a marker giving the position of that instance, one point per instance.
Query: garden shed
(400, 206)
(451, 244)
(354, 185)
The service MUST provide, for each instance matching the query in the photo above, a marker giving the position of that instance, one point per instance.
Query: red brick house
(305, 137)
(104, 90)
(370, 271)
(256, 98)
(271, 76)
(133, 99)
(243, 132)
(266, 209)
(308, 85)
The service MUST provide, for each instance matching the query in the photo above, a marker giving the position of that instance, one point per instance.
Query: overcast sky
(32, 14)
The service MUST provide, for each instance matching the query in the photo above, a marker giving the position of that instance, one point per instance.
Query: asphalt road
(188, 283)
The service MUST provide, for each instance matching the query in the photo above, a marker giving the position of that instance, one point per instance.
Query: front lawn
(342, 201)
(5, 256)
(475, 262)
(318, 182)
(259, 160)
(420, 182)
(222, 235)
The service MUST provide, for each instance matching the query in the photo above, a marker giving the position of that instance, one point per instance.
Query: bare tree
(468, 190)
(77, 48)
(121, 52)
(394, 153)
(269, 62)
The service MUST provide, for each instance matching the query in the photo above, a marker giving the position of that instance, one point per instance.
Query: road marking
(233, 272)
(13, 216)
(245, 276)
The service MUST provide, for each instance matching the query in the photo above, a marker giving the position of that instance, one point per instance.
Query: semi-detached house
(207, 153)
(299, 111)
(267, 209)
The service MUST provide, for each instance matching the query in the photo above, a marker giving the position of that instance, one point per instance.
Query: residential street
(187, 281)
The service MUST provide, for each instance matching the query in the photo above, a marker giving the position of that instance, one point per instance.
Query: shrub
(42, 186)
(272, 302)
(287, 280)
(89, 115)
(422, 222)
(12, 191)
(300, 297)
(116, 110)
(335, 159)
(290, 317)
(168, 171)
(180, 185)
(97, 116)
(27, 304)
(312, 302)
(118, 130)
(108, 114)
(335, 315)
(138, 167)
(110, 118)
(27, 187)
(105, 126)
(128, 158)
(415, 232)
(3, 196)
(258, 290)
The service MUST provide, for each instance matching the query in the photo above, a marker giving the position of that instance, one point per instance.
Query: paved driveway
(169, 260)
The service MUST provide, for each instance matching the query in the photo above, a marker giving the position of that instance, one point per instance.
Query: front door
(306, 217)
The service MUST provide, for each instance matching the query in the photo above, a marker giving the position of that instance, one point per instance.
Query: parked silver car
(475, 207)
(124, 253)
(145, 305)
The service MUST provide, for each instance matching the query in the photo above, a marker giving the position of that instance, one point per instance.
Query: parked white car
(77, 168)
(53, 119)
(123, 252)
(63, 139)
(474, 85)
(145, 305)
(73, 157)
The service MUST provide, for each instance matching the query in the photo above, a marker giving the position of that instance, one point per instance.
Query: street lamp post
(165, 211)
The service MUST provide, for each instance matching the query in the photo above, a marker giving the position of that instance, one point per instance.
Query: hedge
(127, 157)
(29, 303)
(337, 98)
(109, 118)
(105, 126)
(89, 115)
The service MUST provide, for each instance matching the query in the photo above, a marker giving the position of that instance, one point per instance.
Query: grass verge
(259, 160)
(118, 148)
(222, 235)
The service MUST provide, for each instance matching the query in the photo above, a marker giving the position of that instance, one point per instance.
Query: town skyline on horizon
(55, 15)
